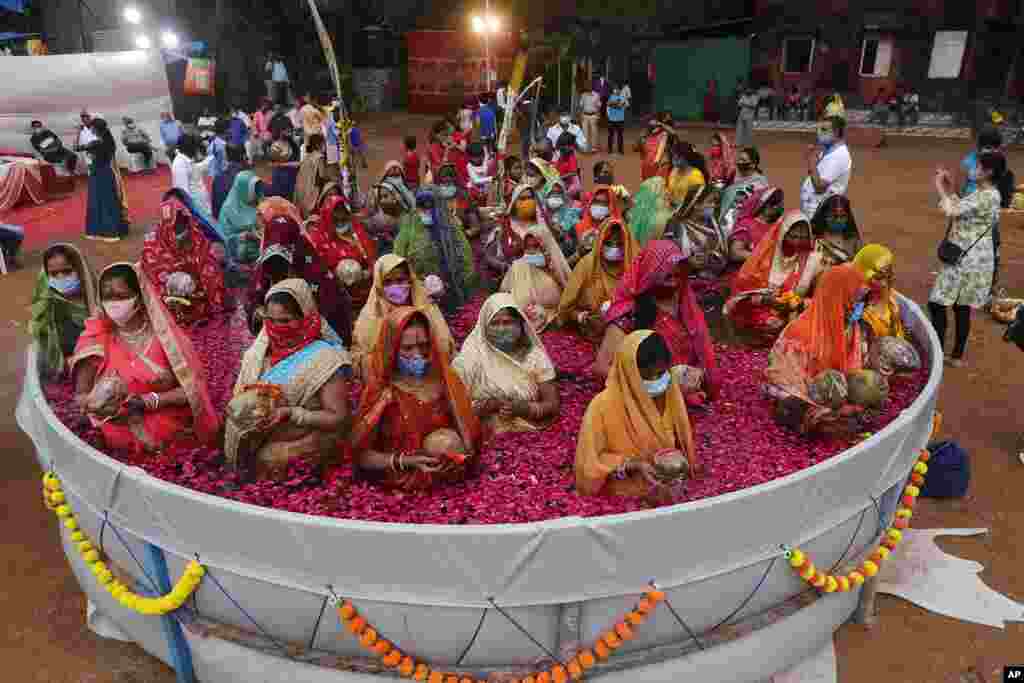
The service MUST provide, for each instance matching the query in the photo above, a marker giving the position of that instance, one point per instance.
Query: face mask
(657, 387)
(427, 217)
(613, 254)
(505, 338)
(537, 260)
(526, 209)
(397, 294)
(744, 168)
(791, 247)
(121, 311)
(856, 314)
(604, 180)
(679, 162)
(771, 213)
(837, 224)
(556, 202)
(67, 285)
(716, 152)
(343, 229)
(414, 366)
(447, 191)
(826, 139)
(599, 212)
(284, 335)
(565, 121)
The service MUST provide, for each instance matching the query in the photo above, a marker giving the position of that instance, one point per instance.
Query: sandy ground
(45, 634)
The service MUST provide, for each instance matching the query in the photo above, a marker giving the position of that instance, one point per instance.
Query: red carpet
(64, 218)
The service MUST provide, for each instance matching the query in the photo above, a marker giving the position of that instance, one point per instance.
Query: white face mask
(536, 260)
(343, 229)
(657, 387)
(427, 217)
(556, 202)
(121, 311)
(599, 212)
(613, 254)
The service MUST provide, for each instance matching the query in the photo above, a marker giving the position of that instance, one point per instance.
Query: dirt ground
(45, 634)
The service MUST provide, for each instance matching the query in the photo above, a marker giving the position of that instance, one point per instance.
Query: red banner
(445, 67)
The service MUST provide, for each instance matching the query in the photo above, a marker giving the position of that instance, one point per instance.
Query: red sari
(161, 257)
(333, 249)
(394, 418)
(654, 154)
(686, 332)
(587, 222)
(166, 361)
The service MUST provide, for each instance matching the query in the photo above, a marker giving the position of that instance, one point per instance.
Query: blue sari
(105, 214)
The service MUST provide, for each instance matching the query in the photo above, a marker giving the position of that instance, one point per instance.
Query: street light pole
(487, 43)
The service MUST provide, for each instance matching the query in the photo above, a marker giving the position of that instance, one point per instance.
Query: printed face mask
(599, 211)
(505, 337)
(556, 202)
(121, 311)
(67, 285)
(613, 254)
(657, 387)
(413, 366)
(397, 294)
(447, 191)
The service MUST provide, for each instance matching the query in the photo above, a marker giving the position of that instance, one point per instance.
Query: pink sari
(167, 361)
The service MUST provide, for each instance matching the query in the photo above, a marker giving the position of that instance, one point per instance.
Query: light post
(486, 25)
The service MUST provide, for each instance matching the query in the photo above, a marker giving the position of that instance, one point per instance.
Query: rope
(248, 616)
(103, 527)
(849, 545)
(316, 627)
(749, 597)
(472, 640)
(682, 623)
(154, 586)
(526, 633)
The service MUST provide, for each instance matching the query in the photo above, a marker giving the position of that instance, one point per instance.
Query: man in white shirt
(590, 110)
(565, 125)
(627, 94)
(829, 166)
(277, 75)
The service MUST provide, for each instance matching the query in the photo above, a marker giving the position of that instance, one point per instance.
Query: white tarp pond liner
(709, 555)
(55, 88)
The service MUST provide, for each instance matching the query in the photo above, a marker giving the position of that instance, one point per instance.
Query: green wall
(682, 71)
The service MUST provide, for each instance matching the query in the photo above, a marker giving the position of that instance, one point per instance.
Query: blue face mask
(657, 387)
(856, 314)
(826, 139)
(427, 218)
(67, 285)
(447, 191)
(537, 260)
(837, 226)
(413, 367)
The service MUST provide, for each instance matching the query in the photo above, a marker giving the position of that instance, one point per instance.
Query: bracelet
(392, 462)
(620, 471)
(151, 401)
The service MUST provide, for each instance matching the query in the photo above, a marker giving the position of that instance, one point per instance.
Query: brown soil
(46, 638)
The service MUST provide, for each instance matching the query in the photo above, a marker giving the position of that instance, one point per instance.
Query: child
(513, 175)
(411, 163)
(356, 147)
(481, 173)
(604, 173)
(568, 167)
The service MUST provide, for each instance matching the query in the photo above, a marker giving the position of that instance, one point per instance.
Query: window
(876, 56)
(798, 55)
(947, 54)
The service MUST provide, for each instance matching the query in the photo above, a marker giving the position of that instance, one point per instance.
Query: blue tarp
(18, 6)
(15, 36)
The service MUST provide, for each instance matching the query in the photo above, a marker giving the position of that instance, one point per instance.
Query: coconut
(867, 388)
(253, 408)
(689, 378)
(443, 441)
(829, 389)
(671, 465)
(349, 271)
(180, 285)
(892, 355)
(107, 395)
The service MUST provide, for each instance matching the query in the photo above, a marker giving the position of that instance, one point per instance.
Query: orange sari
(395, 417)
(655, 153)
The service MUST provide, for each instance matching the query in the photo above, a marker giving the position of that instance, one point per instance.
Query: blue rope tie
(472, 640)
(248, 616)
(526, 633)
(682, 623)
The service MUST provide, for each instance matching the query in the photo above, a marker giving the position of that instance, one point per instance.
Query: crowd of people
(342, 289)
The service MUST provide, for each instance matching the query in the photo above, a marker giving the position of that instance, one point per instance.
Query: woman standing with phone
(967, 252)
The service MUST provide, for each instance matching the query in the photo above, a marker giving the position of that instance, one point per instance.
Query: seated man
(48, 146)
(136, 141)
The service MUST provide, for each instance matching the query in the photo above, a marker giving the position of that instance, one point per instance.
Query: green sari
(56, 321)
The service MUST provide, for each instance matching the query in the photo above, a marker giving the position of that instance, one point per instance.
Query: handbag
(950, 253)
(1015, 332)
(949, 471)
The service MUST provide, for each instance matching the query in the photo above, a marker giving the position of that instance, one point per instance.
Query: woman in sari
(412, 393)
(239, 222)
(536, 280)
(826, 336)
(640, 416)
(505, 243)
(312, 176)
(655, 294)
(603, 203)
(513, 176)
(395, 284)
(689, 174)
(883, 315)
(433, 246)
(748, 177)
(651, 211)
(287, 253)
(655, 146)
(835, 230)
(344, 247)
(722, 155)
(562, 214)
(299, 353)
(509, 376)
(144, 367)
(775, 282)
(394, 178)
(180, 263)
(106, 215)
(759, 214)
(541, 174)
(596, 277)
(452, 197)
(390, 203)
(64, 297)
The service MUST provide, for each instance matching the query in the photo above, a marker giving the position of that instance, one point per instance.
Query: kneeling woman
(510, 378)
(64, 298)
(655, 294)
(344, 247)
(595, 278)
(883, 315)
(136, 373)
(638, 418)
(835, 230)
(537, 279)
(772, 285)
(297, 352)
(415, 427)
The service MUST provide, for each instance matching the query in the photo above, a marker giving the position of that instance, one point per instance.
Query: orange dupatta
(587, 222)
(592, 283)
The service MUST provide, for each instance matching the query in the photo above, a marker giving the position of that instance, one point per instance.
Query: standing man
(565, 125)
(278, 75)
(590, 108)
(745, 120)
(627, 94)
(488, 123)
(829, 166)
(170, 133)
(616, 119)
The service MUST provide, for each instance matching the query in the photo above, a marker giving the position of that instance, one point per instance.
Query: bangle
(401, 462)
(151, 401)
(392, 462)
(621, 471)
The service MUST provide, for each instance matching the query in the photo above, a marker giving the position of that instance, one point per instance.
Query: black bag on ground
(1015, 331)
(949, 471)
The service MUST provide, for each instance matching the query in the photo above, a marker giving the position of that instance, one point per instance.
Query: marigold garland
(828, 583)
(55, 500)
(574, 669)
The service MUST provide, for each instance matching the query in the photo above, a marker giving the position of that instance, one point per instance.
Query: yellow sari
(882, 312)
(592, 282)
(622, 423)
(538, 291)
